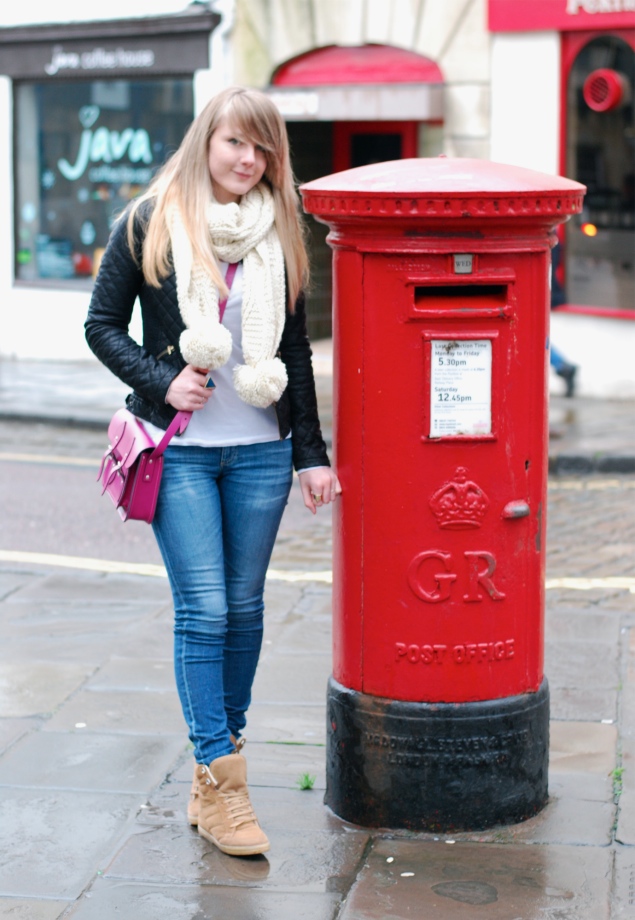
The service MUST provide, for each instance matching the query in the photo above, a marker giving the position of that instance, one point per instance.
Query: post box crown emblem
(459, 504)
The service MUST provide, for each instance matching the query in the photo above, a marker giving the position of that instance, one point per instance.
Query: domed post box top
(441, 188)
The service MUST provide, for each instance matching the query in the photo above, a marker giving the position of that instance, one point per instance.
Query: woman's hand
(319, 486)
(187, 392)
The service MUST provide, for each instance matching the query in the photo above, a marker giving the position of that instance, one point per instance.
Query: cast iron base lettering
(436, 766)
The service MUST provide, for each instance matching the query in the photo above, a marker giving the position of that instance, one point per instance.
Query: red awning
(337, 64)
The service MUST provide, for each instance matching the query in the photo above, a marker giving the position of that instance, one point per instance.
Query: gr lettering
(431, 576)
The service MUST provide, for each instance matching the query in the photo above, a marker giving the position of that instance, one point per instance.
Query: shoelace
(239, 808)
(238, 804)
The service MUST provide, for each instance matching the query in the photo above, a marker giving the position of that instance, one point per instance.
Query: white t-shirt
(225, 420)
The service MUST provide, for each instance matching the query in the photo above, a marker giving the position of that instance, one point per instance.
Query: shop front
(588, 48)
(93, 110)
(350, 106)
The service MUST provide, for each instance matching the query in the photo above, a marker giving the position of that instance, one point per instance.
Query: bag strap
(179, 423)
(182, 419)
(232, 268)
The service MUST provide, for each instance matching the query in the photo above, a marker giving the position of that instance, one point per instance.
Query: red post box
(438, 709)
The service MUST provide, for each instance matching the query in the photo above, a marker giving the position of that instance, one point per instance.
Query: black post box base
(436, 766)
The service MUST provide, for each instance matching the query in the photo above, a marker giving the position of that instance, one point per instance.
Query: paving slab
(13, 581)
(582, 747)
(108, 899)
(134, 674)
(305, 677)
(562, 624)
(143, 713)
(275, 763)
(308, 637)
(316, 601)
(62, 620)
(448, 882)
(579, 662)
(30, 687)
(13, 729)
(87, 587)
(623, 899)
(281, 597)
(308, 546)
(609, 599)
(311, 850)
(578, 703)
(286, 722)
(52, 842)
(284, 765)
(148, 637)
(625, 831)
(87, 761)
(64, 644)
(29, 909)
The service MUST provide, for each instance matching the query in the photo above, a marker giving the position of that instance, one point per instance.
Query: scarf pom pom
(206, 345)
(261, 385)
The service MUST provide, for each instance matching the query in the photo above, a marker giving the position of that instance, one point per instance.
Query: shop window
(600, 243)
(83, 151)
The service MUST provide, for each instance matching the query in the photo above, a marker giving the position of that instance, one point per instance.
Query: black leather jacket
(150, 368)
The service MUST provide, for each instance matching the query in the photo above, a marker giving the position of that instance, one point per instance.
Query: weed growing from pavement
(305, 781)
(617, 775)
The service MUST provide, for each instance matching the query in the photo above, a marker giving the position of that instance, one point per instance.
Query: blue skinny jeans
(217, 517)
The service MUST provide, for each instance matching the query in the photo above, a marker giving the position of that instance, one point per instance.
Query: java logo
(104, 146)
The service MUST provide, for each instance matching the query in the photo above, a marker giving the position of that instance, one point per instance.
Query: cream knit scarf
(240, 232)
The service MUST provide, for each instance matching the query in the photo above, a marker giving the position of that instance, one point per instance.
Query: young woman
(225, 203)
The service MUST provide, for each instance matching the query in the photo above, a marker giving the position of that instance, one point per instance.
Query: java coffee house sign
(99, 50)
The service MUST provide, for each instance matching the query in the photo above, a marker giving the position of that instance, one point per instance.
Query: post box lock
(517, 509)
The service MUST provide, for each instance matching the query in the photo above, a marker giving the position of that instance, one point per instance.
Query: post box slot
(458, 299)
(463, 290)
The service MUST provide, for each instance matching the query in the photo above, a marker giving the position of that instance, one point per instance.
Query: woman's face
(235, 164)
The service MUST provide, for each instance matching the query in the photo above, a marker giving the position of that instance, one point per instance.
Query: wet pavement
(95, 766)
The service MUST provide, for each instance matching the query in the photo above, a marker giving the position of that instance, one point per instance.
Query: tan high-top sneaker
(226, 816)
(193, 805)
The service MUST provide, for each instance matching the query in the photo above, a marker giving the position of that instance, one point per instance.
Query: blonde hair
(185, 182)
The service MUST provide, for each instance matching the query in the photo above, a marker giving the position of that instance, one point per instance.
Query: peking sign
(560, 15)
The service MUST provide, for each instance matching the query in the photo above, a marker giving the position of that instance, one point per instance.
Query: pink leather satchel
(131, 468)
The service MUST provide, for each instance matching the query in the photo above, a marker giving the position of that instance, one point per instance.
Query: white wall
(525, 100)
(80, 11)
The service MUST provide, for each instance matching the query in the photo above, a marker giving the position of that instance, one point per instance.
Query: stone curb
(584, 464)
(564, 464)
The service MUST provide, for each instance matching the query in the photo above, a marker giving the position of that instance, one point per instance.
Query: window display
(600, 242)
(83, 151)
